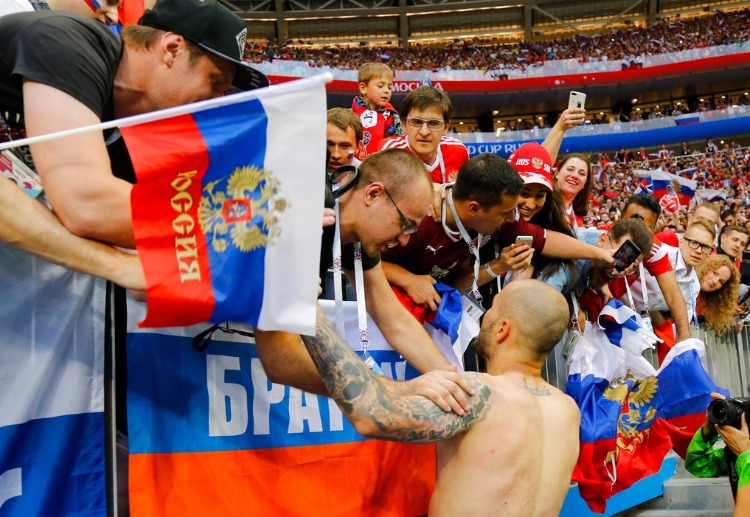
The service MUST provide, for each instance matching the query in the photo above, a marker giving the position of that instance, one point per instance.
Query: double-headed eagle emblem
(639, 394)
(245, 210)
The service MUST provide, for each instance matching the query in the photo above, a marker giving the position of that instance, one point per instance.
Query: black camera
(728, 411)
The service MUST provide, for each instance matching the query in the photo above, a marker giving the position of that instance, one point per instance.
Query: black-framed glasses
(705, 248)
(407, 227)
(432, 123)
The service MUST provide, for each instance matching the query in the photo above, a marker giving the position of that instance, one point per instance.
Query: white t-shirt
(14, 6)
(687, 280)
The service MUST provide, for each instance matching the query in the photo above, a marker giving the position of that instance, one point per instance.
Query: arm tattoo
(369, 399)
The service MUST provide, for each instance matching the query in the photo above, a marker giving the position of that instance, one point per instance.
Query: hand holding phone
(576, 100)
(626, 255)
(525, 239)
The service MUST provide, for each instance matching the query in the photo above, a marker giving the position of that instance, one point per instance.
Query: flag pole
(227, 100)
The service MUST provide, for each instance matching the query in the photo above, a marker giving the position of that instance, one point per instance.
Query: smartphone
(626, 255)
(576, 100)
(525, 239)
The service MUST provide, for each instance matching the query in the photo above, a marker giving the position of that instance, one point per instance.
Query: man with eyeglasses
(694, 246)
(426, 112)
(707, 212)
(380, 205)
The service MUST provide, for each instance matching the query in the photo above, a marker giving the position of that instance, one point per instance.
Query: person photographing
(725, 418)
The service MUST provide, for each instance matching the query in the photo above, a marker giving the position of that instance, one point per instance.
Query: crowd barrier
(727, 361)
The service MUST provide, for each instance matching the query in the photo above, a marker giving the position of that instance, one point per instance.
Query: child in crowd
(379, 118)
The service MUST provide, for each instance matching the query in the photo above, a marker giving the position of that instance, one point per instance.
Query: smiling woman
(573, 181)
(717, 301)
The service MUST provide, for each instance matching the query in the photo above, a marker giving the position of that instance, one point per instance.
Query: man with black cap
(59, 71)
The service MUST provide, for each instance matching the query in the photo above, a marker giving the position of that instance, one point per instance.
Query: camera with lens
(728, 411)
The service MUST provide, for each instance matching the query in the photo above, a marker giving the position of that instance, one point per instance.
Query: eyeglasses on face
(407, 227)
(705, 249)
(432, 123)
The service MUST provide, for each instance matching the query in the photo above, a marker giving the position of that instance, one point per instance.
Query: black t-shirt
(73, 54)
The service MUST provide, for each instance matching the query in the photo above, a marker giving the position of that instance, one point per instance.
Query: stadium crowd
(724, 171)
(414, 210)
(627, 45)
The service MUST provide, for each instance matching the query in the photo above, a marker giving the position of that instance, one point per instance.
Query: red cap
(533, 163)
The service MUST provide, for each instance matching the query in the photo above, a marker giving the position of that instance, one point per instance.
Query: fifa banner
(209, 434)
(632, 414)
(228, 208)
(51, 374)
(620, 139)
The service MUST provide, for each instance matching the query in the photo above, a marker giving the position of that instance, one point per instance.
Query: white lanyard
(646, 306)
(338, 294)
(441, 164)
(472, 247)
(359, 279)
(630, 295)
(499, 278)
(574, 320)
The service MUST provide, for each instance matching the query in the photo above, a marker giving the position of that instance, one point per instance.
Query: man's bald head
(536, 312)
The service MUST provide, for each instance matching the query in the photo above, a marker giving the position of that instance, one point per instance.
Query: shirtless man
(513, 451)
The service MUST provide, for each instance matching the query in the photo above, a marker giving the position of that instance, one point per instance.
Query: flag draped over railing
(228, 208)
(211, 434)
(632, 414)
(52, 445)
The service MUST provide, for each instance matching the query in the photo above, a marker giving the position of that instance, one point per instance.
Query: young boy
(379, 118)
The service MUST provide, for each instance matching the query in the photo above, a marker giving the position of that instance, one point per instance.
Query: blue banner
(627, 140)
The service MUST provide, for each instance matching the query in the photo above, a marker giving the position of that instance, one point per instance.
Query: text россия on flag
(227, 211)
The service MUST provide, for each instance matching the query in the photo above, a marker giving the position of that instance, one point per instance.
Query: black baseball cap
(212, 27)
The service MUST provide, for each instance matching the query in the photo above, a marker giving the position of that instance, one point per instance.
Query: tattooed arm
(371, 402)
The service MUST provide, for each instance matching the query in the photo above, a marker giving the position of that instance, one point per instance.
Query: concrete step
(688, 496)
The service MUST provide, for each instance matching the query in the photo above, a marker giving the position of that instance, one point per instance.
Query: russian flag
(52, 457)
(227, 211)
(210, 434)
(687, 119)
(632, 414)
(451, 326)
(684, 188)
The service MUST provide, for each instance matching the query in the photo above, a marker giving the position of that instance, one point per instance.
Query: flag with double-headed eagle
(227, 211)
(631, 413)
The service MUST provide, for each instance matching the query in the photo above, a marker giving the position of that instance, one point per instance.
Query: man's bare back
(518, 460)
(513, 450)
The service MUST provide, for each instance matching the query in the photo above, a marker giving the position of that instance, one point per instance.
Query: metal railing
(727, 361)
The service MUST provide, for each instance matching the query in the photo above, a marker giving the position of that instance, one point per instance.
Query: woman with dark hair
(717, 301)
(573, 181)
(541, 205)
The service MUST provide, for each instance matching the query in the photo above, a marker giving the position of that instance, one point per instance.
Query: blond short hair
(370, 71)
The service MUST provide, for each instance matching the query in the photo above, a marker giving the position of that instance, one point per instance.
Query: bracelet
(489, 270)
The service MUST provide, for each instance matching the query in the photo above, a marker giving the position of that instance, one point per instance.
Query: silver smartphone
(576, 100)
(525, 239)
